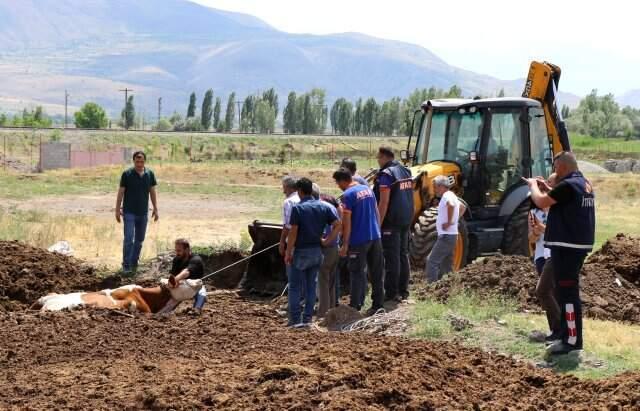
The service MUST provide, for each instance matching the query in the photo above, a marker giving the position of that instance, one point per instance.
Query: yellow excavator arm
(542, 85)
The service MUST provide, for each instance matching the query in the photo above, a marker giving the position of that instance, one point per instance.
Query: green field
(600, 149)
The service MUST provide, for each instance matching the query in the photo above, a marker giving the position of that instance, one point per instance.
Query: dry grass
(610, 347)
(617, 205)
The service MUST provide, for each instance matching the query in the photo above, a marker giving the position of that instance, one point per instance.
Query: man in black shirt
(570, 236)
(137, 185)
(186, 265)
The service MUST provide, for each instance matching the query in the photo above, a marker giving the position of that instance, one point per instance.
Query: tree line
(308, 113)
(390, 117)
(36, 117)
(601, 116)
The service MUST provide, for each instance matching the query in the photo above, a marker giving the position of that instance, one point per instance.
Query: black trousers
(395, 245)
(567, 263)
(360, 257)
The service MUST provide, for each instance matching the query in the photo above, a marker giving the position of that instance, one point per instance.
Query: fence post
(40, 155)
(4, 153)
(191, 148)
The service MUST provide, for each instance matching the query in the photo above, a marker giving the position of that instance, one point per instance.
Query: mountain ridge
(94, 48)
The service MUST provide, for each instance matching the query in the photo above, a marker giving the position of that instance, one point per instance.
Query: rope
(241, 261)
(378, 322)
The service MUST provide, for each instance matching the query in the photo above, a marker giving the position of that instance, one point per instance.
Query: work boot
(374, 310)
(388, 298)
(553, 337)
(560, 348)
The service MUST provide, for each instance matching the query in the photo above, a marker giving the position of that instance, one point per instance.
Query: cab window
(504, 151)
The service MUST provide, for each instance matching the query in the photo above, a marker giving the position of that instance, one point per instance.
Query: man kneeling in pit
(185, 266)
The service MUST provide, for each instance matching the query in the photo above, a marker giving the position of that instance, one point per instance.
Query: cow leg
(136, 301)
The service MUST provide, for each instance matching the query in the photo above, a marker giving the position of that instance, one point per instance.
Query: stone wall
(623, 166)
(55, 155)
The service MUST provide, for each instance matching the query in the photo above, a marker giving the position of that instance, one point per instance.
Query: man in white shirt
(440, 259)
(291, 198)
(545, 289)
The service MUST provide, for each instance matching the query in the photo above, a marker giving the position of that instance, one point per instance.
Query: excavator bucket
(266, 274)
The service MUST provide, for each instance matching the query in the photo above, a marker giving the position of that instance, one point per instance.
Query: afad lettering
(406, 185)
(360, 195)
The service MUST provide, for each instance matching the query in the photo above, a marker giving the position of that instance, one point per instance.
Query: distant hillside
(169, 48)
(630, 98)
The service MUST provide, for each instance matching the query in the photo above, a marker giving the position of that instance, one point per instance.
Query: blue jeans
(200, 298)
(303, 277)
(135, 227)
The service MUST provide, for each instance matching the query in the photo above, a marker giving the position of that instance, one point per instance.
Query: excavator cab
(485, 147)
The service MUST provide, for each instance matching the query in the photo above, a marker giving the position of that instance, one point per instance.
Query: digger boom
(542, 85)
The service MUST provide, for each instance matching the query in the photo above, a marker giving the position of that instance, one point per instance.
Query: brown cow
(130, 297)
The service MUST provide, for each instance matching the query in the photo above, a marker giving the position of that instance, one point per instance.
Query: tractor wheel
(424, 236)
(515, 240)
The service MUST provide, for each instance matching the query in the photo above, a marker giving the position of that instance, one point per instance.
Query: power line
(66, 104)
(126, 100)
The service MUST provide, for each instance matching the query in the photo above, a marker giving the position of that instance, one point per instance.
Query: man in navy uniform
(394, 193)
(570, 235)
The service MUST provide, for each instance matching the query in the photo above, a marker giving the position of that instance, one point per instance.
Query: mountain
(630, 98)
(94, 48)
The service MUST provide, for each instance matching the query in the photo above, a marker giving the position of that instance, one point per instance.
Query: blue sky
(595, 42)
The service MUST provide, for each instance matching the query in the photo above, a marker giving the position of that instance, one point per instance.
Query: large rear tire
(424, 236)
(515, 240)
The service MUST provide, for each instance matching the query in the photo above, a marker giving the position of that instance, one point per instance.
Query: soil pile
(238, 355)
(609, 282)
(28, 273)
(507, 276)
(622, 255)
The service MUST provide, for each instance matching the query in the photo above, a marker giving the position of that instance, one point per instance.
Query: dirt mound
(506, 276)
(340, 316)
(609, 281)
(27, 273)
(15, 165)
(622, 255)
(238, 355)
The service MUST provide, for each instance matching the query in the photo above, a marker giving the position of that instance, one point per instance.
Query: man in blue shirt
(361, 240)
(137, 184)
(308, 221)
(393, 188)
(570, 234)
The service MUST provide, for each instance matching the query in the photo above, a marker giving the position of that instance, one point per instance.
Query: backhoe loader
(484, 147)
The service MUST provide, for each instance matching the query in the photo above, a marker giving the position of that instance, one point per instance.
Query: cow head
(187, 289)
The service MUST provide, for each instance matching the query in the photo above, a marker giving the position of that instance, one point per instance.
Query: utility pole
(126, 100)
(159, 109)
(66, 104)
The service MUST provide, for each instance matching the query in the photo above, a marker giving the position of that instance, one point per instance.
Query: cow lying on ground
(129, 297)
